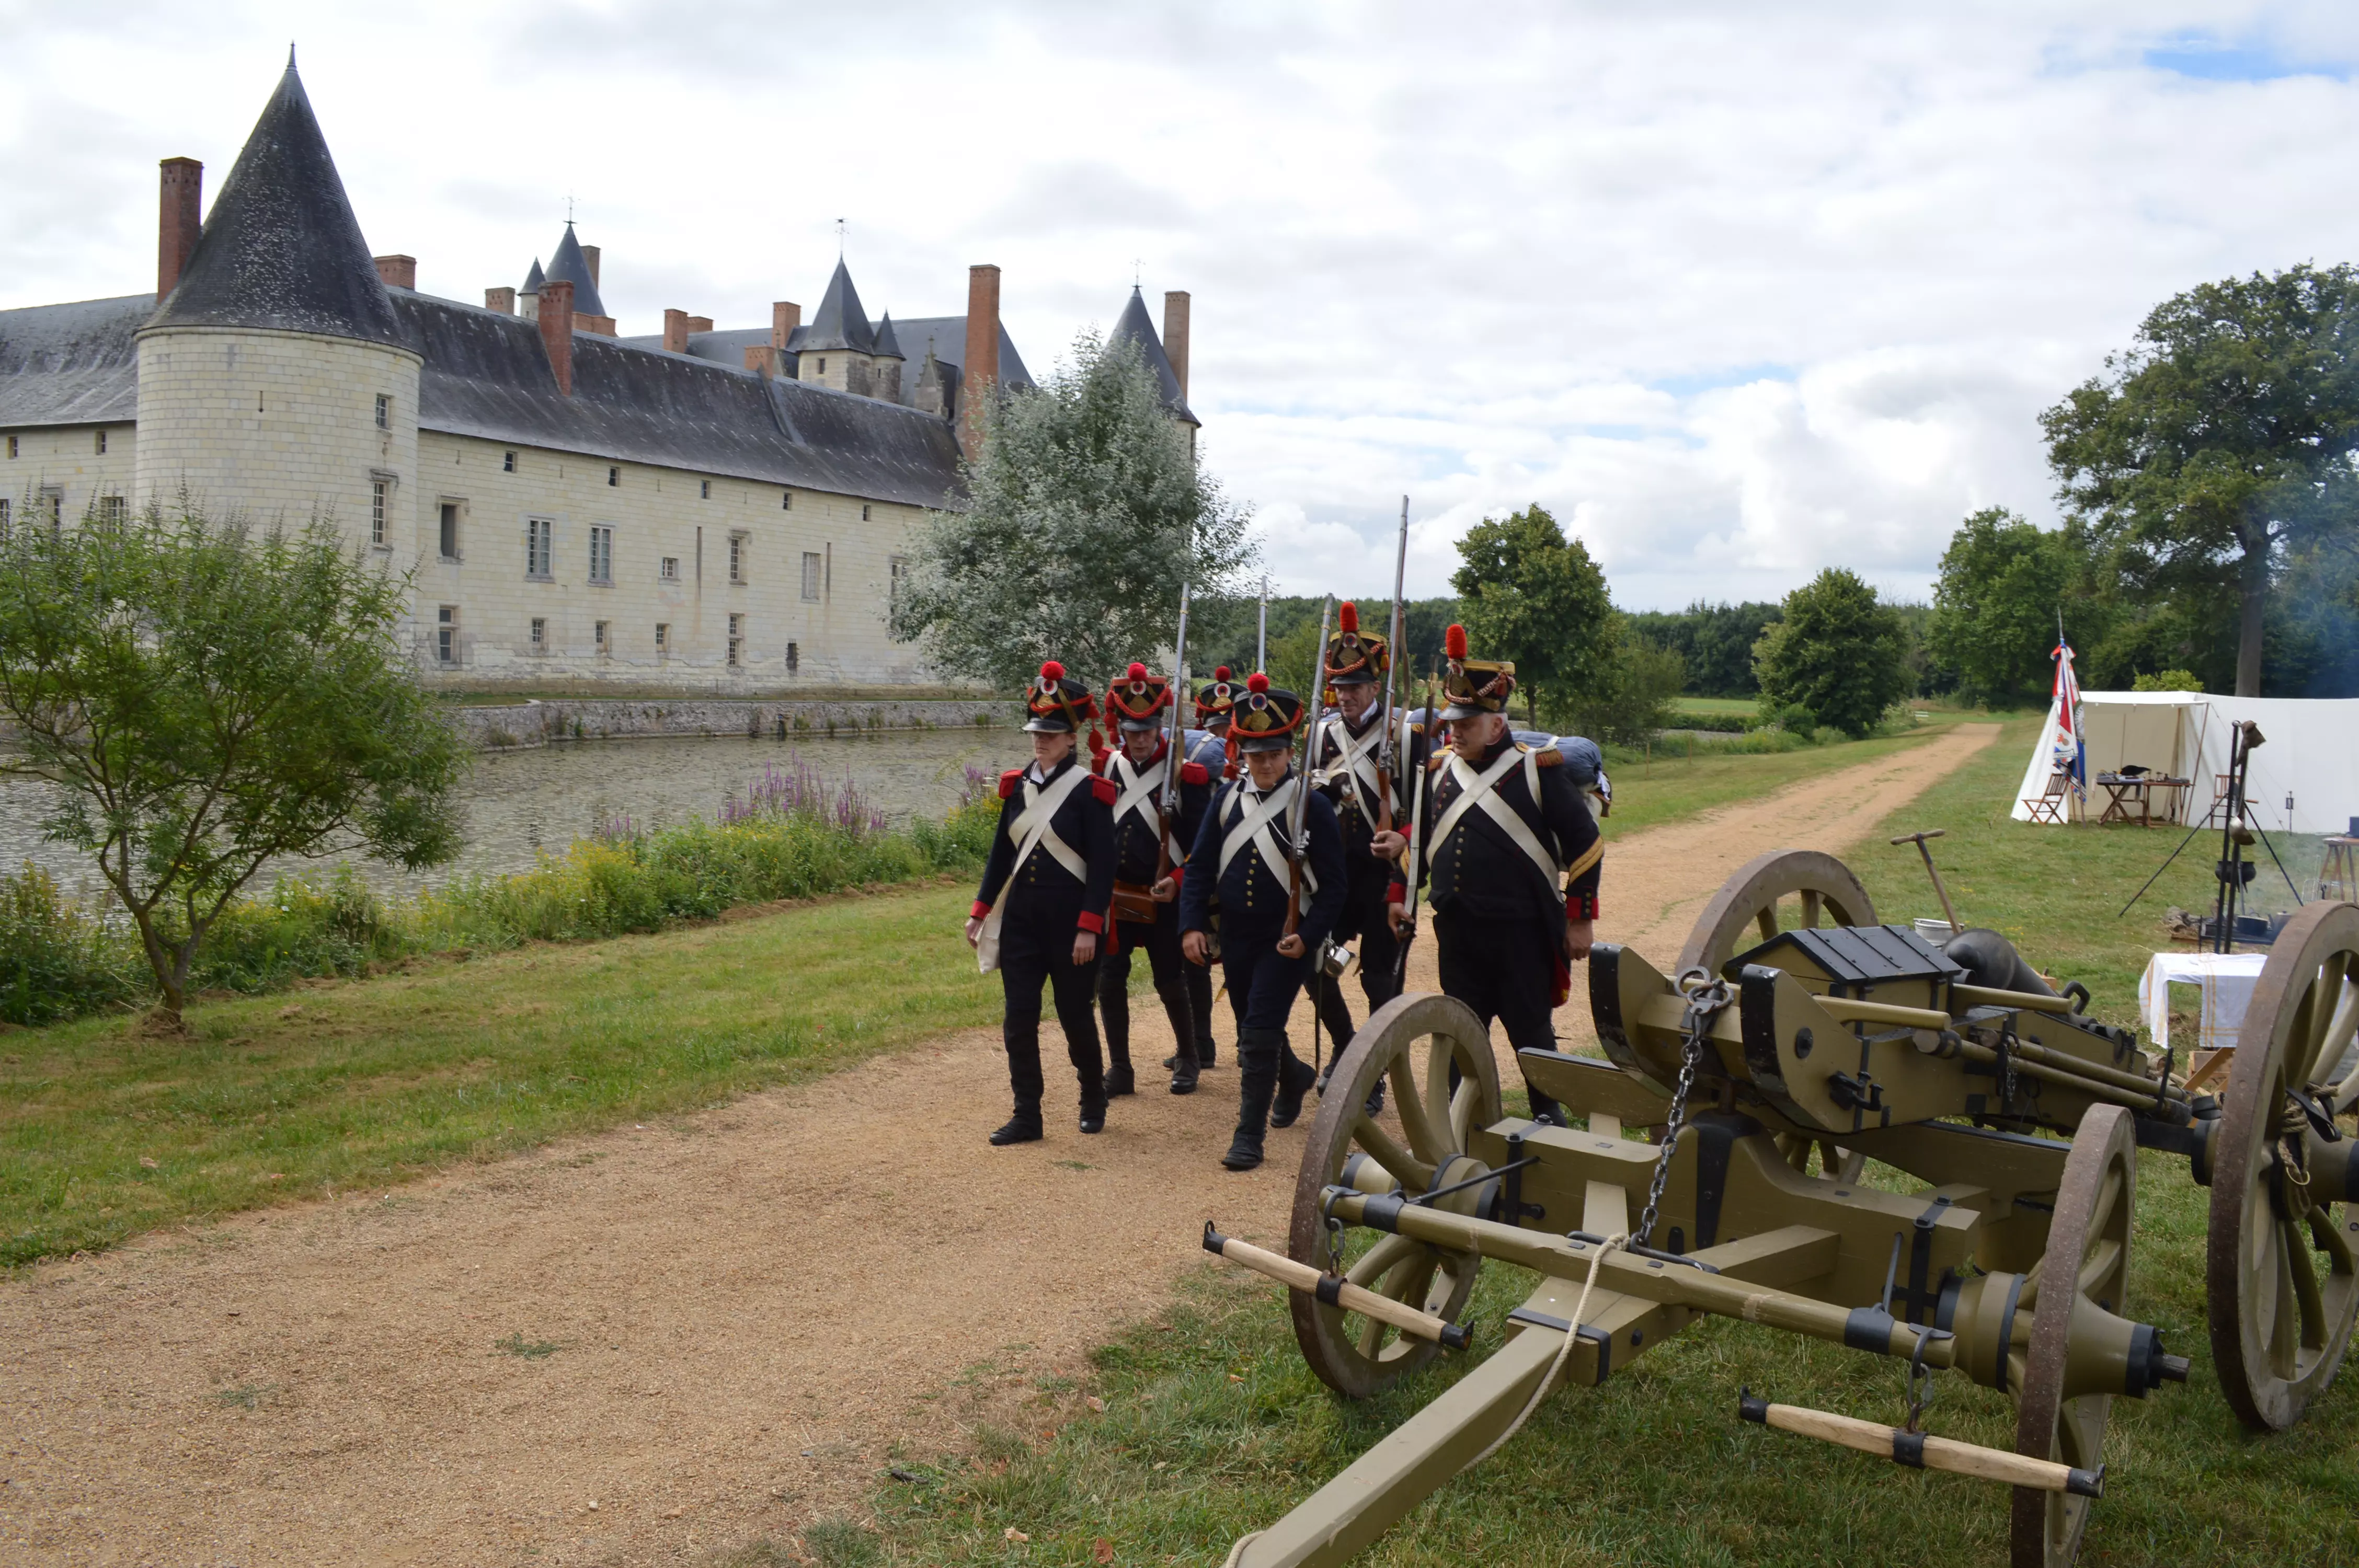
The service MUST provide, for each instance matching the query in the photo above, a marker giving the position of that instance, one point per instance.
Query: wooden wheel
(2088, 1235)
(2280, 1270)
(1821, 889)
(1410, 1045)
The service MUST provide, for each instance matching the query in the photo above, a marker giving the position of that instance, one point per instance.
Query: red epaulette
(1007, 782)
(1102, 787)
(1193, 773)
(1550, 757)
(1098, 763)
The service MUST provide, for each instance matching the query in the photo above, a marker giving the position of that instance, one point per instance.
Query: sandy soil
(732, 1322)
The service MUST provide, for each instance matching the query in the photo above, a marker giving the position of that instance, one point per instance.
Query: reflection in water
(518, 803)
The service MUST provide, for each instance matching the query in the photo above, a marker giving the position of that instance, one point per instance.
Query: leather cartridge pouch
(1135, 904)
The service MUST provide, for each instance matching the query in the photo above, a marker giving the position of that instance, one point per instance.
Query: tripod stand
(2233, 873)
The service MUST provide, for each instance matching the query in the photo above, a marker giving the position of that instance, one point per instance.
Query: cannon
(1717, 1162)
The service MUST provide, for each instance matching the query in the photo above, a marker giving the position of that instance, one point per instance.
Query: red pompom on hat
(1137, 672)
(1257, 682)
(1221, 673)
(1052, 670)
(1453, 641)
(1347, 617)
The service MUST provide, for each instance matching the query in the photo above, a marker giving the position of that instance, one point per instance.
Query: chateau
(700, 510)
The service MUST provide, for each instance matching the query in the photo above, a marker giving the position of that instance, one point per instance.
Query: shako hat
(1266, 717)
(1058, 705)
(1474, 685)
(1217, 697)
(1138, 697)
(1355, 658)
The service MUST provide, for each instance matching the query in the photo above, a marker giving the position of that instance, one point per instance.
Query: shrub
(57, 960)
(2167, 680)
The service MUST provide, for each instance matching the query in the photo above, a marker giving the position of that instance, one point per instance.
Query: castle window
(539, 636)
(508, 462)
(864, 512)
(663, 638)
(737, 557)
(446, 634)
(450, 530)
(99, 445)
(812, 567)
(604, 639)
(669, 571)
(823, 367)
(53, 501)
(736, 641)
(384, 412)
(112, 511)
(613, 478)
(896, 571)
(12, 448)
(704, 489)
(786, 501)
(539, 549)
(794, 658)
(601, 555)
(376, 510)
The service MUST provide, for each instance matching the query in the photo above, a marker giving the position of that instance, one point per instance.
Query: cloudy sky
(1738, 291)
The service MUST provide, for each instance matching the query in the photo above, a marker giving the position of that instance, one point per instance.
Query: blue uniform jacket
(1251, 898)
(1042, 888)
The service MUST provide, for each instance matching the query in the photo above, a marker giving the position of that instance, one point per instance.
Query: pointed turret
(885, 373)
(839, 322)
(569, 265)
(1136, 326)
(534, 279)
(887, 346)
(282, 249)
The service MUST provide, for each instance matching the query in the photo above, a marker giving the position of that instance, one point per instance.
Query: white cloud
(1738, 292)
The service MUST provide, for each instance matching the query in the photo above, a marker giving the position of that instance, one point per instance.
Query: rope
(1614, 1243)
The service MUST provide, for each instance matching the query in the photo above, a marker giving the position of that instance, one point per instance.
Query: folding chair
(2048, 805)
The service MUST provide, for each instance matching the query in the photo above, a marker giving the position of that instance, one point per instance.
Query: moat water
(519, 804)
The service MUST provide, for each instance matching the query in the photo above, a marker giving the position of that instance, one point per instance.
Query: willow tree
(1085, 512)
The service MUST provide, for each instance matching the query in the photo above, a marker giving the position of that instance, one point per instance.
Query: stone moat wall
(524, 724)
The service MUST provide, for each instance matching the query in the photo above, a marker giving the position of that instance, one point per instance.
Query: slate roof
(1136, 326)
(534, 279)
(72, 364)
(281, 248)
(946, 336)
(839, 323)
(569, 265)
(886, 345)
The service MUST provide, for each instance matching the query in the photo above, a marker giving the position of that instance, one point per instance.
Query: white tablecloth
(2226, 980)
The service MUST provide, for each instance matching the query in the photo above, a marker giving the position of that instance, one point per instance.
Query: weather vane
(839, 239)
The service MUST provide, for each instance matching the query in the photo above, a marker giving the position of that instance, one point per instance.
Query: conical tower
(839, 348)
(276, 378)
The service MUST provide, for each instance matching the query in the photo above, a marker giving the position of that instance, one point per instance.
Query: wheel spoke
(2102, 1209)
(2097, 1269)
(1809, 909)
(2307, 1301)
(2284, 1316)
(1462, 1112)
(1385, 1255)
(2326, 1234)
(1424, 1139)
(1414, 1174)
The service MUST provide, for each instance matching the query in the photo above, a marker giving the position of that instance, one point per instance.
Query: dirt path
(715, 1329)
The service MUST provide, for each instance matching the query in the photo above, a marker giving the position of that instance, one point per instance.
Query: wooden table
(2338, 877)
(2123, 792)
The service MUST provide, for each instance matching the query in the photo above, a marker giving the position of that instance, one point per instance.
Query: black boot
(1295, 1077)
(1024, 1127)
(1119, 1079)
(1184, 1070)
(1094, 1109)
(1257, 1081)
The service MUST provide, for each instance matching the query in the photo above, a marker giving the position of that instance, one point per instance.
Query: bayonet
(1168, 797)
(1297, 845)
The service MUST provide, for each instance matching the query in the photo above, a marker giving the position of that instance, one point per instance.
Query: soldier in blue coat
(1209, 751)
(1041, 909)
(1275, 902)
(1150, 857)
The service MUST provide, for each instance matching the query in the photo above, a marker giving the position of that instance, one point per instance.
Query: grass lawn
(1718, 704)
(1672, 784)
(1214, 1426)
(104, 1134)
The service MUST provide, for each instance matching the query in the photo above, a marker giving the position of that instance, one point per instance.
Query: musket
(1261, 630)
(1166, 801)
(1297, 845)
(1412, 858)
(1384, 762)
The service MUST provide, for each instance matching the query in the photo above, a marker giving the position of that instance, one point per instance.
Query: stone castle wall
(597, 718)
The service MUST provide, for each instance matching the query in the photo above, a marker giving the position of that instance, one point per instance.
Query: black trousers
(1262, 983)
(1199, 979)
(1031, 953)
(1161, 941)
(1504, 969)
(1379, 957)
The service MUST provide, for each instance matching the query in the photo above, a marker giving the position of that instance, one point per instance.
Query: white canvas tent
(2304, 777)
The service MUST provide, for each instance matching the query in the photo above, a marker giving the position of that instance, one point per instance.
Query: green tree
(2002, 584)
(1716, 642)
(1086, 511)
(1837, 653)
(206, 699)
(2221, 439)
(1529, 594)
(1633, 700)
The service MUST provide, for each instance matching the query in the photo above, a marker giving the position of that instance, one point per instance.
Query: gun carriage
(1796, 1040)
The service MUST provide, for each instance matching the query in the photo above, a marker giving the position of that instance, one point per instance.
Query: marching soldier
(1348, 768)
(1148, 859)
(1241, 866)
(1042, 904)
(1512, 857)
(1215, 700)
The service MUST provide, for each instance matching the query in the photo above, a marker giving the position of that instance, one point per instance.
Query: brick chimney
(398, 272)
(675, 332)
(762, 359)
(557, 332)
(784, 316)
(590, 256)
(980, 374)
(1175, 336)
(500, 299)
(180, 184)
(699, 324)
